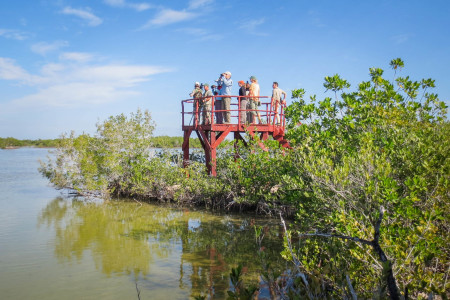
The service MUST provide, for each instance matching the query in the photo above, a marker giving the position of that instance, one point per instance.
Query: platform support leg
(185, 147)
(213, 154)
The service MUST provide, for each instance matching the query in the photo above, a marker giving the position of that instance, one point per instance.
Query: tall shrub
(376, 171)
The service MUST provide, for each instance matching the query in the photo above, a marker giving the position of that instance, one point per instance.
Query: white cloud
(43, 48)
(71, 84)
(86, 15)
(201, 34)
(76, 56)
(119, 75)
(74, 94)
(123, 3)
(210, 37)
(52, 70)
(193, 4)
(10, 71)
(169, 16)
(193, 31)
(401, 38)
(315, 19)
(118, 3)
(140, 6)
(250, 26)
(13, 34)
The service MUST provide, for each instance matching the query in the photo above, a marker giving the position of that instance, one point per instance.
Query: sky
(66, 65)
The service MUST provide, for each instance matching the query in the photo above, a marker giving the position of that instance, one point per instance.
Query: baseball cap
(206, 84)
(228, 72)
(253, 78)
(197, 83)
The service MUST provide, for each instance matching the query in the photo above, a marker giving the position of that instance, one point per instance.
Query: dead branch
(295, 260)
(391, 282)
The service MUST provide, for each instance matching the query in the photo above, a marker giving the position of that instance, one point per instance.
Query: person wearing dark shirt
(242, 102)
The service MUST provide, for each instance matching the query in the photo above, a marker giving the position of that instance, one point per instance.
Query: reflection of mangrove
(126, 237)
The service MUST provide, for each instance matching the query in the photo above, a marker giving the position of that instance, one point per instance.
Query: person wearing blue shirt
(226, 82)
(217, 104)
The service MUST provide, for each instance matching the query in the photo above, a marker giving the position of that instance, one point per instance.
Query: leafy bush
(102, 164)
(118, 161)
(375, 167)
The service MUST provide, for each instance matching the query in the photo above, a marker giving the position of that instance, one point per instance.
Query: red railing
(193, 116)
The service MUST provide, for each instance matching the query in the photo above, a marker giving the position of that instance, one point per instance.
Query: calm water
(56, 247)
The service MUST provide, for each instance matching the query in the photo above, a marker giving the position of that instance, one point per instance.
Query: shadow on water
(160, 247)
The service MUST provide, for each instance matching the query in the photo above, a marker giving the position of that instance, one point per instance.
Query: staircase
(278, 134)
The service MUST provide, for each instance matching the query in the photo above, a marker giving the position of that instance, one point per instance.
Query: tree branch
(392, 285)
(378, 225)
(350, 287)
(387, 265)
(296, 261)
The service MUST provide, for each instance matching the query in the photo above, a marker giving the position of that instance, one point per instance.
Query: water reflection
(160, 247)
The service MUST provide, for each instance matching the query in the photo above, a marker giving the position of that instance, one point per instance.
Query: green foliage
(335, 83)
(384, 145)
(256, 179)
(11, 142)
(103, 164)
(119, 160)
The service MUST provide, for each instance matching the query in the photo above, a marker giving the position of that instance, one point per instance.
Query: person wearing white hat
(226, 82)
(197, 84)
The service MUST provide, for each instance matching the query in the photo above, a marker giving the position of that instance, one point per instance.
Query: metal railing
(195, 113)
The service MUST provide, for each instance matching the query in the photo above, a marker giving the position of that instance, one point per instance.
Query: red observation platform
(212, 131)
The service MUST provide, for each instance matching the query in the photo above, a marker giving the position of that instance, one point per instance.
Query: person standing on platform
(207, 99)
(277, 101)
(226, 82)
(214, 89)
(254, 99)
(249, 113)
(242, 102)
(197, 95)
(217, 104)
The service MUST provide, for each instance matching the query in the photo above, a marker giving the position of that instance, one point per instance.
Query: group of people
(248, 96)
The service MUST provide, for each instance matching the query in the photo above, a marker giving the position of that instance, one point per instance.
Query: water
(56, 247)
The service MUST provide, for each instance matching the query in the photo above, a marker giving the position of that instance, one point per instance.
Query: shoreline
(30, 146)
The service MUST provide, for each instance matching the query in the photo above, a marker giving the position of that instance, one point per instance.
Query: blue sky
(66, 64)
